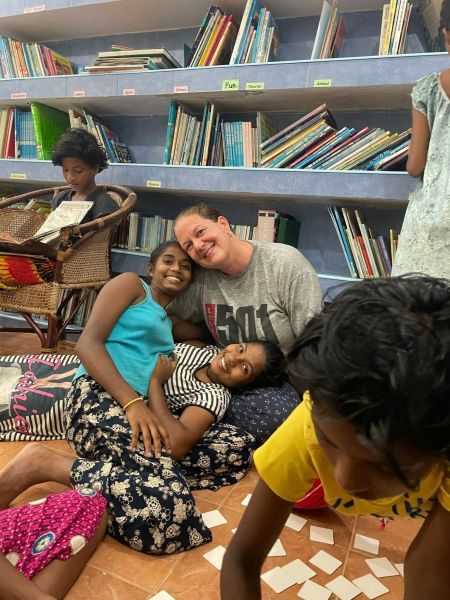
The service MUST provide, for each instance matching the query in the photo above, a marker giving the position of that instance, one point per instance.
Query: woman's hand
(165, 366)
(144, 423)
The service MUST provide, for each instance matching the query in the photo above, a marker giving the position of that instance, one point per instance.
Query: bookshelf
(364, 89)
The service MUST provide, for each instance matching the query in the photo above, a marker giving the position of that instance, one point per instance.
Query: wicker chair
(82, 264)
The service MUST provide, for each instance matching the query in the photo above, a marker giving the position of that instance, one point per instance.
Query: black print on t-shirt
(244, 324)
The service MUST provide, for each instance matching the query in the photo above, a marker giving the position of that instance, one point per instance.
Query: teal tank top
(142, 332)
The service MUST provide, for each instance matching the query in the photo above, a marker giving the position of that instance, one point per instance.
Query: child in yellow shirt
(374, 427)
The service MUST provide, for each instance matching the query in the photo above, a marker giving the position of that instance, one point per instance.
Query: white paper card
(326, 562)
(246, 500)
(366, 544)
(278, 580)
(162, 595)
(215, 557)
(277, 549)
(234, 530)
(298, 570)
(295, 522)
(321, 534)
(212, 518)
(400, 568)
(370, 586)
(381, 567)
(343, 588)
(313, 591)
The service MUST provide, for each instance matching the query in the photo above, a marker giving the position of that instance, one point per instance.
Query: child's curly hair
(79, 143)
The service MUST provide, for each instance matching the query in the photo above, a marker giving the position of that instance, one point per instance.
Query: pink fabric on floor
(59, 526)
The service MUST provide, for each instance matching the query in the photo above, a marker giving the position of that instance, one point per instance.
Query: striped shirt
(183, 389)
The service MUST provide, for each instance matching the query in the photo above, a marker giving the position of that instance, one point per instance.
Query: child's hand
(165, 366)
(144, 423)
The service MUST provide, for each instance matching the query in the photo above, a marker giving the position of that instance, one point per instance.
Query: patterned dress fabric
(424, 244)
(59, 526)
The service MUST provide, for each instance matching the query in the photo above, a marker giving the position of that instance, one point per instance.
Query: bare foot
(34, 464)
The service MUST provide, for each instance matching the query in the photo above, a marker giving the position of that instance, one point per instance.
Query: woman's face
(172, 272)
(238, 364)
(207, 242)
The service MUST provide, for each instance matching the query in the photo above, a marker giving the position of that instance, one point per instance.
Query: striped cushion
(33, 388)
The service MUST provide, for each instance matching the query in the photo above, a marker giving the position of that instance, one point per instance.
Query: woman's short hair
(202, 210)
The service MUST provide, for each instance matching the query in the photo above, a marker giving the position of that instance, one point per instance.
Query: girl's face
(207, 242)
(360, 470)
(79, 175)
(172, 272)
(238, 364)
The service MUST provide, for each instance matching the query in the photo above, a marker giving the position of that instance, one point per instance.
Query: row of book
(394, 27)
(18, 59)
(366, 254)
(315, 142)
(214, 40)
(32, 133)
(124, 58)
(330, 32)
(258, 39)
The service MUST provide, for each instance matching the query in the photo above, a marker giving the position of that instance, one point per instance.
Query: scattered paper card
(246, 500)
(343, 588)
(381, 567)
(321, 534)
(298, 570)
(212, 518)
(277, 549)
(278, 580)
(326, 562)
(366, 544)
(370, 586)
(234, 530)
(162, 595)
(400, 568)
(313, 591)
(295, 522)
(215, 557)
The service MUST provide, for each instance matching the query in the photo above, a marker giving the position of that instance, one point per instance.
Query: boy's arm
(259, 528)
(14, 586)
(418, 147)
(426, 566)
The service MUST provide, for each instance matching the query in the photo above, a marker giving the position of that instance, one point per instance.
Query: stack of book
(116, 151)
(314, 142)
(258, 39)
(394, 27)
(18, 59)
(366, 254)
(123, 58)
(330, 32)
(214, 40)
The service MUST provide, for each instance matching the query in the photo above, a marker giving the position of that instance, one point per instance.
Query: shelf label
(322, 82)
(79, 93)
(151, 183)
(181, 89)
(18, 95)
(18, 176)
(254, 85)
(230, 85)
(33, 9)
(128, 92)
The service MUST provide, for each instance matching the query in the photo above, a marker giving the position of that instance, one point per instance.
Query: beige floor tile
(97, 585)
(395, 538)
(357, 567)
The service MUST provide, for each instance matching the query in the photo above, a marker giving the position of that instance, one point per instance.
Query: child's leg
(34, 464)
(60, 575)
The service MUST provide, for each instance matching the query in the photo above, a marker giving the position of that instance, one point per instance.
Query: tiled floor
(116, 572)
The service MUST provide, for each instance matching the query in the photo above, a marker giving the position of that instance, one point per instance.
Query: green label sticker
(230, 85)
(153, 184)
(322, 82)
(18, 176)
(254, 85)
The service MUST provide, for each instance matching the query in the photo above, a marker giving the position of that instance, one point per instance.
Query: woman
(246, 291)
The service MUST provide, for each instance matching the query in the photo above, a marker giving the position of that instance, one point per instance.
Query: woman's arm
(427, 572)
(259, 528)
(14, 586)
(418, 147)
(114, 298)
(184, 331)
(185, 431)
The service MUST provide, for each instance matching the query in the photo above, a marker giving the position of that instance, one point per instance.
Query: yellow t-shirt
(292, 458)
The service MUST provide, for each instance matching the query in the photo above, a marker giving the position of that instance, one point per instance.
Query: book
(266, 225)
(288, 230)
(160, 55)
(49, 124)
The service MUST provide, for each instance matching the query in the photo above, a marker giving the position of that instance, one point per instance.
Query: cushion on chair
(32, 392)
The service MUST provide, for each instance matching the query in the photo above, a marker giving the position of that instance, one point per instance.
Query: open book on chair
(45, 241)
